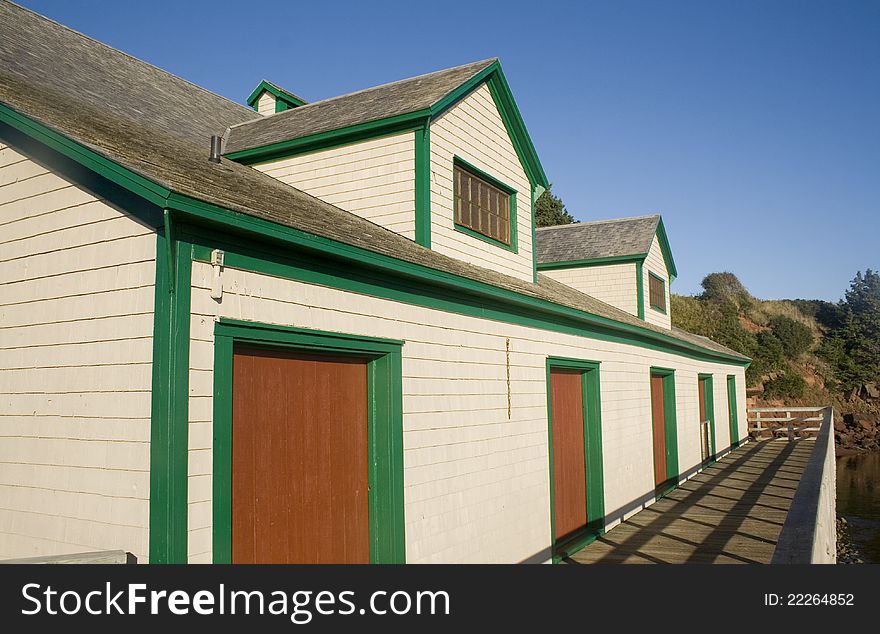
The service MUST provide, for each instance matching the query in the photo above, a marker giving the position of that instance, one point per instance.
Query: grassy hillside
(805, 352)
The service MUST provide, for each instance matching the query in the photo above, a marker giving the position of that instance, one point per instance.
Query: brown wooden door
(299, 458)
(702, 388)
(658, 416)
(569, 463)
(705, 441)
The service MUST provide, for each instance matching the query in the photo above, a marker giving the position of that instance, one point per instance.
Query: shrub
(795, 337)
(788, 385)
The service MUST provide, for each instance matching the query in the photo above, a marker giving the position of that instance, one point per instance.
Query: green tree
(726, 286)
(550, 210)
(860, 330)
(796, 338)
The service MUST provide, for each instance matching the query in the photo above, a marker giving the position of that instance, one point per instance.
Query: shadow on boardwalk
(731, 512)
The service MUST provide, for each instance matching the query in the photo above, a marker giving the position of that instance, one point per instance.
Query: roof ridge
(128, 55)
(308, 106)
(598, 222)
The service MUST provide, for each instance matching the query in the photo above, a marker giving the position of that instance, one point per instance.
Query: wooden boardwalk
(731, 512)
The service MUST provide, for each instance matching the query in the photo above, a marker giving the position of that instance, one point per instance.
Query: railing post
(790, 426)
(758, 425)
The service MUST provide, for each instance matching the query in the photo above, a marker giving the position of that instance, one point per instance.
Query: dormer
(625, 262)
(267, 98)
(443, 159)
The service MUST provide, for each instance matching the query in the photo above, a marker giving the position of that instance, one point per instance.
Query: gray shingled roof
(389, 100)
(158, 126)
(600, 239)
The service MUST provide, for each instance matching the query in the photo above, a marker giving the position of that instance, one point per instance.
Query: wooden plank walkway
(731, 512)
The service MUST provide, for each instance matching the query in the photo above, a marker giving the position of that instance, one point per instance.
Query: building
(338, 342)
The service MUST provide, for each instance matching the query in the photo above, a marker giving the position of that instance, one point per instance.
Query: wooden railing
(809, 534)
(785, 422)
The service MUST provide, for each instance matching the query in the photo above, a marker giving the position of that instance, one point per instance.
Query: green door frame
(708, 393)
(733, 415)
(592, 407)
(671, 423)
(384, 380)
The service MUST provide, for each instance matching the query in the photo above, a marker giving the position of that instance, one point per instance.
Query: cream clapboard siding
(374, 179)
(76, 325)
(474, 131)
(266, 103)
(476, 482)
(655, 264)
(614, 284)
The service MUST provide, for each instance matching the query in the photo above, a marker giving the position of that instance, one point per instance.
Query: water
(858, 500)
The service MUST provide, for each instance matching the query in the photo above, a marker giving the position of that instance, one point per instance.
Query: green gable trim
(385, 426)
(501, 94)
(667, 252)
(331, 138)
(289, 99)
(510, 115)
(423, 185)
(513, 219)
(576, 264)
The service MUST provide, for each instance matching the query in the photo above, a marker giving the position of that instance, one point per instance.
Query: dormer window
(484, 207)
(657, 292)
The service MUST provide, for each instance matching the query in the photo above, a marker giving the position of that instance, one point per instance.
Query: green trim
(511, 193)
(387, 538)
(169, 426)
(518, 308)
(594, 469)
(332, 138)
(708, 390)
(667, 252)
(665, 298)
(288, 99)
(640, 289)
(576, 264)
(421, 286)
(423, 186)
(671, 423)
(86, 157)
(733, 414)
(501, 94)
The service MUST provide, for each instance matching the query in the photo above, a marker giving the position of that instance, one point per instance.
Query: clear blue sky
(753, 127)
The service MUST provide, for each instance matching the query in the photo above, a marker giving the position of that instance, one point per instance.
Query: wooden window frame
(385, 394)
(591, 392)
(660, 309)
(494, 182)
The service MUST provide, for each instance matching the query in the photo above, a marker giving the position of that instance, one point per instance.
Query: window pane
(481, 206)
